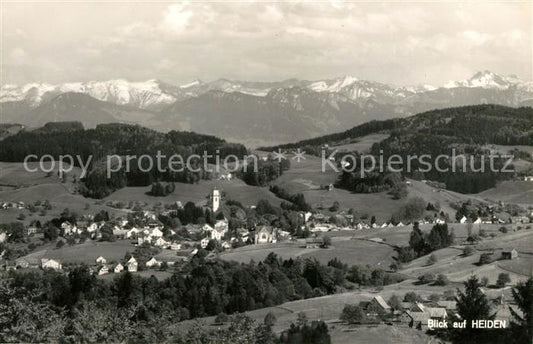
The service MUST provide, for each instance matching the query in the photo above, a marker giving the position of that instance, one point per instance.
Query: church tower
(215, 199)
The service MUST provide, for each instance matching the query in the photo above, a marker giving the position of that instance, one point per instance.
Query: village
(148, 231)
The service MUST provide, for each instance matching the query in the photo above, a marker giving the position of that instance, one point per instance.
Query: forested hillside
(463, 130)
(116, 139)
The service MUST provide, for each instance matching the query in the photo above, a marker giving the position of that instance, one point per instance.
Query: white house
(160, 242)
(101, 260)
(156, 233)
(69, 228)
(207, 228)
(265, 234)
(478, 221)
(132, 232)
(103, 270)
(141, 239)
(463, 219)
(153, 262)
(51, 264)
(93, 227)
(132, 264)
(204, 242)
(175, 246)
(119, 268)
(3, 237)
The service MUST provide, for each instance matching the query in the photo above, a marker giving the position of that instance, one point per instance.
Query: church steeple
(215, 199)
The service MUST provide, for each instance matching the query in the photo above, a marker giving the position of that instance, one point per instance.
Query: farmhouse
(119, 268)
(103, 270)
(101, 260)
(50, 264)
(419, 315)
(509, 254)
(27, 263)
(160, 242)
(377, 306)
(153, 262)
(132, 264)
(204, 242)
(265, 235)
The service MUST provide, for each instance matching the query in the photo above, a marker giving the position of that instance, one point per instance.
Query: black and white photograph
(266, 171)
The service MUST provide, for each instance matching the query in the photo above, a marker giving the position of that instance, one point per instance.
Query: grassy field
(307, 176)
(519, 192)
(349, 251)
(86, 252)
(15, 174)
(382, 334)
(363, 144)
(235, 189)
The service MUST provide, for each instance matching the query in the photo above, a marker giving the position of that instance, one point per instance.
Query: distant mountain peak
(487, 79)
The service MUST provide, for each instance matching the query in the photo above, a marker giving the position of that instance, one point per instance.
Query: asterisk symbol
(298, 155)
(279, 155)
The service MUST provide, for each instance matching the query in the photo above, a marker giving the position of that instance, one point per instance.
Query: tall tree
(523, 324)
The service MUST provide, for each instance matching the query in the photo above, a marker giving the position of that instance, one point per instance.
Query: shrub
(432, 259)
(411, 297)
(485, 258)
(426, 278)
(468, 251)
(221, 318)
(352, 314)
(503, 279)
(485, 281)
(442, 280)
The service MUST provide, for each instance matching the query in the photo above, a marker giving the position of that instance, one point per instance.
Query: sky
(402, 43)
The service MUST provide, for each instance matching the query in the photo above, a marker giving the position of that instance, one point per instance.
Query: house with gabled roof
(104, 269)
(132, 264)
(265, 235)
(377, 306)
(153, 262)
(51, 264)
(118, 268)
(101, 260)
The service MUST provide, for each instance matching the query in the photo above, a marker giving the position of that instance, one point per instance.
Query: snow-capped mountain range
(155, 94)
(255, 113)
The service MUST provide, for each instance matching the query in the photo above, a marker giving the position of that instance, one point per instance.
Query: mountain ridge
(254, 113)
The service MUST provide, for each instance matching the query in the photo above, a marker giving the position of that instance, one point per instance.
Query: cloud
(177, 17)
(409, 42)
